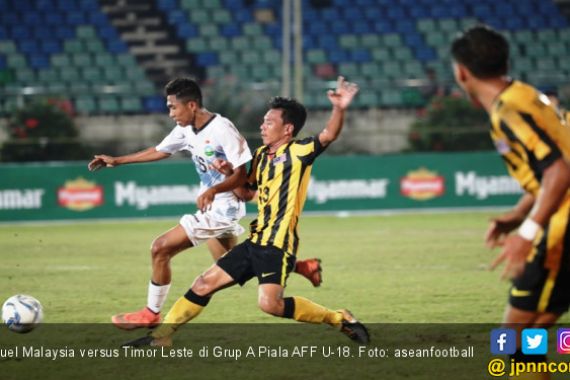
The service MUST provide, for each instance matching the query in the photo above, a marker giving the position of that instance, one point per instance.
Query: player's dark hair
(292, 112)
(483, 51)
(185, 90)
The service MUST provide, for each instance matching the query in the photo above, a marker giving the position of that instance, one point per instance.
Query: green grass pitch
(412, 268)
(410, 277)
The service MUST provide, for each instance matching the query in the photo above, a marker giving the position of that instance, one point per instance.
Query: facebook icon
(503, 341)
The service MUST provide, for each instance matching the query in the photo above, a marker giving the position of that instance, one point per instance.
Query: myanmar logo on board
(80, 195)
(422, 185)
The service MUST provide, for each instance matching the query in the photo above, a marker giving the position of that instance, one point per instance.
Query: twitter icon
(534, 341)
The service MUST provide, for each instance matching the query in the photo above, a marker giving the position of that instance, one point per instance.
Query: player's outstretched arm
(340, 99)
(147, 155)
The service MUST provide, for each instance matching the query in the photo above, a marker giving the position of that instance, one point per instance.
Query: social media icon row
(533, 341)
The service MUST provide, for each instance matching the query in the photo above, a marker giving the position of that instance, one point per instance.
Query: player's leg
(186, 307)
(272, 267)
(194, 301)
(219, 246)
(310, 268)
(193, 230)
(271, 301)
(229, 270)
(163, 249)
(540, 295)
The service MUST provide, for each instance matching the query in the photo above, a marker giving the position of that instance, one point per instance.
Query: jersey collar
(196, 131)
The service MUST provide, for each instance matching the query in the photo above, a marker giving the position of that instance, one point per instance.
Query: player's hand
(101, 161)
(205, 200)
(222, 166)
(500, 227)
(515, 252)
(344, 93)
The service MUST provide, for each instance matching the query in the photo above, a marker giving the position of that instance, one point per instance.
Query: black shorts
(544, 285)
(246, 260)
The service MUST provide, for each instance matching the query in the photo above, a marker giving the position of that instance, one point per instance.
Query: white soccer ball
(22, 313)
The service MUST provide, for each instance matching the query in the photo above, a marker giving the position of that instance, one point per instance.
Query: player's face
(273, 130)
(457, 75)
(462, 79)
(182, 113)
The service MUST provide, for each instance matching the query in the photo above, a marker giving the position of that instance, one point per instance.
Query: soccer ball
(21, 313)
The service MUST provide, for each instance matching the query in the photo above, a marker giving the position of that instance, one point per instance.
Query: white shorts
(201, 227)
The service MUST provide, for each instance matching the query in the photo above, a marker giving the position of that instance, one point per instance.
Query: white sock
(156, 296)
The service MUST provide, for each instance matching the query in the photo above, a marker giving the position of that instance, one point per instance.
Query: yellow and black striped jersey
(565, 114)
(528, 133)
(281, 180)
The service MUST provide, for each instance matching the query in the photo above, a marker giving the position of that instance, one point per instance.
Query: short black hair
(185, 90)
(484, 51)
(292, 112)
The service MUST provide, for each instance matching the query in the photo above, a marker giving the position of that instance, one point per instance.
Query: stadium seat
(390, 98)
(113, 74)
(271, 57)
(130, 104)
(57, 89)
(349, 70)
(228, 57)
(196, 45)
(370, 41)
(370, 70)
(218, 44)
(109, 104)
(412, 97)
(49, 75)
(369, 99)
(316, 56)
(262, 43)
(85, 104)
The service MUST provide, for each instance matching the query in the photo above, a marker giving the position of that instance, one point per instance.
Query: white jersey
(218, 138)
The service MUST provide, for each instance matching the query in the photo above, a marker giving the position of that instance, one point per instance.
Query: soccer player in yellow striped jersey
(535, 146)
(280, 173)
(284, 177)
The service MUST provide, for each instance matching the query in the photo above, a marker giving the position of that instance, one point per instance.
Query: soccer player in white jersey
(207, 136)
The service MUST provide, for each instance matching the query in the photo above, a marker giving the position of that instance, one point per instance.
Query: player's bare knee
(202, 287)
(158, 249)
(271, 306)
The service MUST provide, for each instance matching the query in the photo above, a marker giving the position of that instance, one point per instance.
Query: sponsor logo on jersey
(209, 151)
(80, 195)
(422, 185)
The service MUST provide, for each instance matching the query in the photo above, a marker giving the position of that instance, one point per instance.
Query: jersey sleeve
(234, 145)
(252, 173)
(537, 139)
(174, 142)
(308, 149)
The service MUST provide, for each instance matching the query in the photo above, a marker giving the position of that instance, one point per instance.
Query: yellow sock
(308, 311)
(181, 312)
